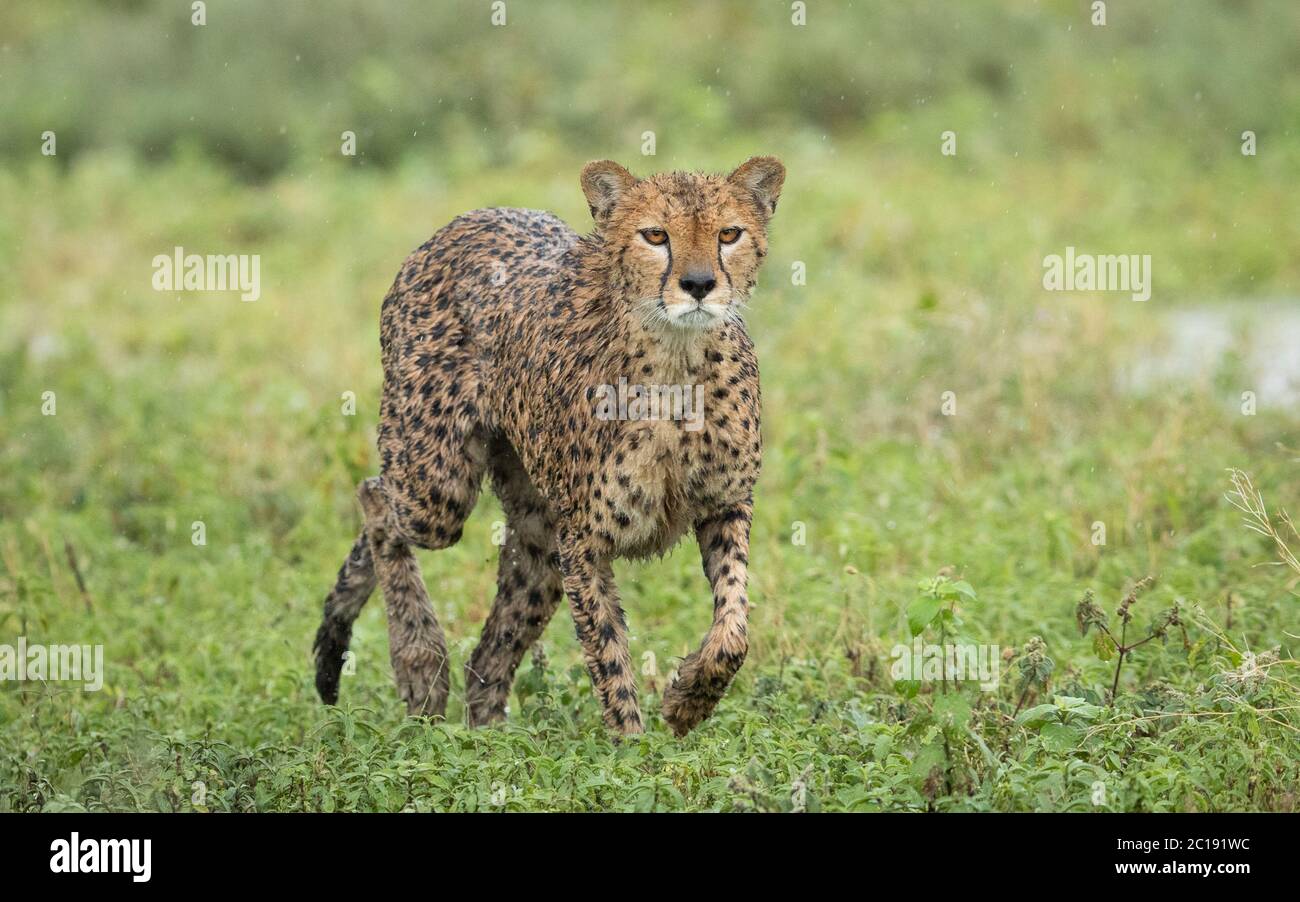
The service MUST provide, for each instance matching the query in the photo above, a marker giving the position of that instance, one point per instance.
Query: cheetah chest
(663, 477)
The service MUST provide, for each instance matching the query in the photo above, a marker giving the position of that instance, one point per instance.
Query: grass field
(879, 504)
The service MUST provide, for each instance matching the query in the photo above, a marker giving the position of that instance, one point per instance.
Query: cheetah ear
(604, 182)
(762, 177)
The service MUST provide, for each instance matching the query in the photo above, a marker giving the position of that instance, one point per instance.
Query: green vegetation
(923, 276)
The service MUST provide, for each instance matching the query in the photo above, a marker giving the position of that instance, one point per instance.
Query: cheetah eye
(730, 235)
(655, 236)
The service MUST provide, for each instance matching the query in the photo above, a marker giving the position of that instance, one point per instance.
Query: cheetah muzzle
(503, 340)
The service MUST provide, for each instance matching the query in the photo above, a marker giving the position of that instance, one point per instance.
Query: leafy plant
(935, 606)
(1060, 722)
(1035, 669)
(943, 728)
(1106, 644)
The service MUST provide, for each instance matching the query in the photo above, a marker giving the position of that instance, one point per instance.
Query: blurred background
(897, 274)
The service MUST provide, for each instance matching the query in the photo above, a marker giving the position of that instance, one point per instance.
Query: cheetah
(496, 337)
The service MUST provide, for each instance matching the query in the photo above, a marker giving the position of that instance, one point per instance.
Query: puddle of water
(1197, 341)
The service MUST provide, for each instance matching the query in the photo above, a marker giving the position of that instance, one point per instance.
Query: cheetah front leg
(416, 643)
(588, 580)
(703, 676)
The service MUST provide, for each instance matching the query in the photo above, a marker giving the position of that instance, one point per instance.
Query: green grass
(924, 276)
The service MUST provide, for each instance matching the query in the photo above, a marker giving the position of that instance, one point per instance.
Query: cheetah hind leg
(417, 646)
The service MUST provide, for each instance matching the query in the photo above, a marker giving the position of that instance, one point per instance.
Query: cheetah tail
(356, 582)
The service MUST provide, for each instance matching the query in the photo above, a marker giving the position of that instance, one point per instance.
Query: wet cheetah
(496, 338)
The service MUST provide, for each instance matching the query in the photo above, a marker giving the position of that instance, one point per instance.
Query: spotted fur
(496, 337)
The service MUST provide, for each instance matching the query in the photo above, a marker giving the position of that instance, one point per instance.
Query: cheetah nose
(698, 284)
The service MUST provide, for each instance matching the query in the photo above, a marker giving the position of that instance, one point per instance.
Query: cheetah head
(684, 248)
